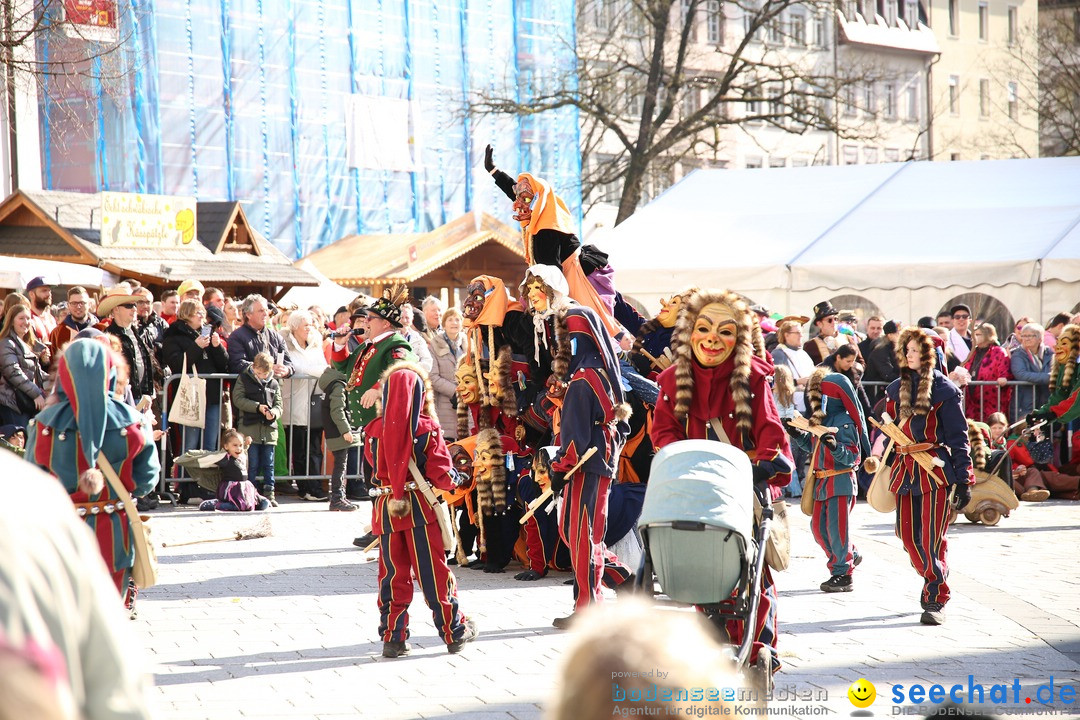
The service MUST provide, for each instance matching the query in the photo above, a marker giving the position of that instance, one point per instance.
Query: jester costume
(834, 460)
(718, 380)
(67, 437)
(593, 415)
(410, 542)
(927, 409)
(1064, 402)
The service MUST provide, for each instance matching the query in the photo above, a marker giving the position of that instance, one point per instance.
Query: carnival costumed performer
(834, 460)
(407, 435)
(66, 438)
(718, 389)
(593, 416)
(1064, 402)
(927, 409)
(548, 234)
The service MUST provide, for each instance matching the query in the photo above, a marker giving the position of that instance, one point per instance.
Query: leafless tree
(1051, 52)
(664, 81)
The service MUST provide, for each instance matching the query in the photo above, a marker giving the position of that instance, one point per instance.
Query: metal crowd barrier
(875, 389)
(211, 439)
(322, 461)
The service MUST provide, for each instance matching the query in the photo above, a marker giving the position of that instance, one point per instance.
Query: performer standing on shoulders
(926, 407)
(718, 389)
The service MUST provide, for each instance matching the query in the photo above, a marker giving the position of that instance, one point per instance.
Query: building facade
(984, 93)
(326, 118)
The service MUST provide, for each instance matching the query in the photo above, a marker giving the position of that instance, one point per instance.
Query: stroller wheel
(990, 516)
(761, 674)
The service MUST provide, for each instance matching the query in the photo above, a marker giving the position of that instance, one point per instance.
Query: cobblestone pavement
(285, 626)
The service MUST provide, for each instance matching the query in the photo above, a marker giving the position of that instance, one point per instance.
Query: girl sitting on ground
(235, 493)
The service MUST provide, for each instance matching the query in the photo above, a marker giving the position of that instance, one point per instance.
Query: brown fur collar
(741, 356)
(504, 375)
(920, 404)
(429, 392)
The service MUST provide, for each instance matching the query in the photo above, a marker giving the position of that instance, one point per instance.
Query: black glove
(457, 478)
(489, 160)
(962, 496)
(529, 575)
(761, 485)
(830, 440)
(558, 481)
(1035, 417)
(793, 431)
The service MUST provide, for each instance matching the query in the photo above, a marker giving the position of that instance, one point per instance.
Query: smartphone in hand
(205, 331)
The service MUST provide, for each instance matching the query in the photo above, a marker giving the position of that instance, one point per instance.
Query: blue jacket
(1025, 370)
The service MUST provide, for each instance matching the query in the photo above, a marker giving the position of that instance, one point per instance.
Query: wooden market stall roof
(448, 256)
(66, 226)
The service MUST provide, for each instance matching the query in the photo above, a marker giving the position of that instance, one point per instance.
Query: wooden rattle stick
(535, 504)
(371, 547)
(801, 423)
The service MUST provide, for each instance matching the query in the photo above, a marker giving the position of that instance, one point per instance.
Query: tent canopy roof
(916, 224)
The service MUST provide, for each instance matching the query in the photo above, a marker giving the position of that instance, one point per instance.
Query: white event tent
(901, 238)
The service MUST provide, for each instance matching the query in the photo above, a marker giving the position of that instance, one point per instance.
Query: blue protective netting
(246, 100)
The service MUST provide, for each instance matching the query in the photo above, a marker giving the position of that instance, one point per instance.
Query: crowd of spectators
(201, 329)
(1003, 381)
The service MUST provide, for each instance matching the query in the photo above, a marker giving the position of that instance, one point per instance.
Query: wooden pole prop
(801, 423)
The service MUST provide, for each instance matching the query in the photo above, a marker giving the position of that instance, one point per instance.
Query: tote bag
(189, 405)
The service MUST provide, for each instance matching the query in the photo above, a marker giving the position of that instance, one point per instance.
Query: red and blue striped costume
(412, 544)
(66, 438)
(922, 498)
(767, 445)
(589, 420)
(834, 469)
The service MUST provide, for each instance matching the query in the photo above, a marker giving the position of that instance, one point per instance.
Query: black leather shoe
(364, 540)
(837, 583)
(933, 614)
(470, 634)
(395, 649)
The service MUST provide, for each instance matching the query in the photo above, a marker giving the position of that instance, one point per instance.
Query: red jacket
(768, 442)
(432, 458)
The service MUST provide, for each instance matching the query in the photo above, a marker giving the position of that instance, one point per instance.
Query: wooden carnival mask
(468, 388)
(462, 461)
(669, 311)
(715, 332)
(537, 291)
(475, 297)
(524, 195)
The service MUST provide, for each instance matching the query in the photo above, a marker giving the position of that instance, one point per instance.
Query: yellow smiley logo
(862, 693)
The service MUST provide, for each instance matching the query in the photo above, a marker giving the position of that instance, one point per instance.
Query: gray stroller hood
(701, 481)
(697, 520)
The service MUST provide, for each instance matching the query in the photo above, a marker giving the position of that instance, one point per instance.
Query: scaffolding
(326, 118)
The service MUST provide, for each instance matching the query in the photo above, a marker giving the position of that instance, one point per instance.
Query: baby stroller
(700, 543)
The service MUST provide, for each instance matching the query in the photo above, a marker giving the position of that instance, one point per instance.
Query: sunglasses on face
(961, 317)
(127, 306)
